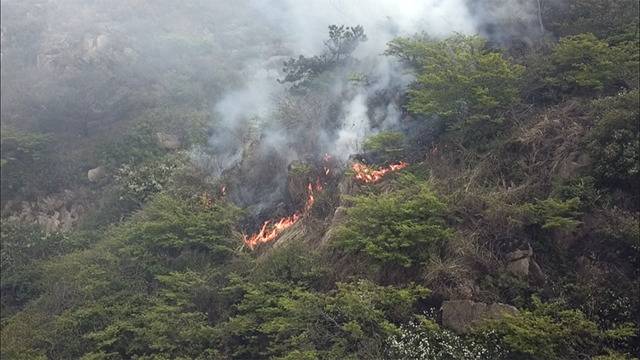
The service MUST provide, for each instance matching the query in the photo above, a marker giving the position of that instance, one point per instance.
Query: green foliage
(583, 63)
(388, 145)
(22, 248)
(294, 263)
(171, 326)
(459, 80)
(169, 227)
(582, 188)
(400, 228)
(548, 332)
(614, 141)
(601, 17)
(138, 183)
(25, 163)
(276, 320)
(137, 146)
(553, 213)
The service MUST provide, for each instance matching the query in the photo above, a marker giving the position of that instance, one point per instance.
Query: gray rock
(461, 315)
(522, 264)
(96, 174)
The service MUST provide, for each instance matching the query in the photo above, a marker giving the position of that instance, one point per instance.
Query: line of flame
(271, 230)
(369, 175)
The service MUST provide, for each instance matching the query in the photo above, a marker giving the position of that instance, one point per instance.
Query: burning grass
(366, 174)
(271, 229)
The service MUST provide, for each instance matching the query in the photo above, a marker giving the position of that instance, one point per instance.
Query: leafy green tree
(459, 79)
(171, 227)
(400, 228)
(582, 63)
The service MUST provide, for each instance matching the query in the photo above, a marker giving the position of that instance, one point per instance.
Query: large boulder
(96, 174)
(521, 264)
(461, 315)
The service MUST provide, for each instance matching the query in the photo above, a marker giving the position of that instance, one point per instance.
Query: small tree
(582, 63)
(401, 228)
(458, 79)
(343, 40)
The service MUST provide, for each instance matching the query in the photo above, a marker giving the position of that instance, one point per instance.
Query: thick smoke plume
(87, 65)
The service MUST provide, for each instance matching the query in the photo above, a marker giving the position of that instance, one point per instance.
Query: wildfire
(270, 230)
(369, 175)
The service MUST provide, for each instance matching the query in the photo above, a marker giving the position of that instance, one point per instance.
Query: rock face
(460, 315)
(57, 212)
(168, 141)
(96, 174)
(522, 264)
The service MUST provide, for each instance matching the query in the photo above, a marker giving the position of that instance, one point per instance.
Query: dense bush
(398, 229)
(283, 321)
(170, 227)
(552, 332)
(614, 141)
(460, 80)
(584, 63)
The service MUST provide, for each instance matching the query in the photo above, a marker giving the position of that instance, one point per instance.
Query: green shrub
(400, 228)
(169, 227)
(22, 249)
(387, 145)
(26, 164)
(553, 213)
(548, 332)
(614, 141)
(136, 146)
(138, 183)
(460, 80)
(278, 320)
(584, 64)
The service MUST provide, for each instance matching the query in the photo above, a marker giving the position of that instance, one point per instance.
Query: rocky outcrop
(461, 315)
(58, 212)
(521, 263)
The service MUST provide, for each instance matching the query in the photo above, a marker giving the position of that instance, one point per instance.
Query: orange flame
(369, 175)
(271, 230)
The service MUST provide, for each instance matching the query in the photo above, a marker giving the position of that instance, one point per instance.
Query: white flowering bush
(424, 339)
(138, 183)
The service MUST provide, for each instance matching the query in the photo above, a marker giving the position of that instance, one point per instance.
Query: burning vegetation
(271, 229)
(366, 174)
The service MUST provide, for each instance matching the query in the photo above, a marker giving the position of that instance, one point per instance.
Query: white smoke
(300, 27)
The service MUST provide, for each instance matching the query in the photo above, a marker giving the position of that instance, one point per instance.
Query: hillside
(320, 181)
